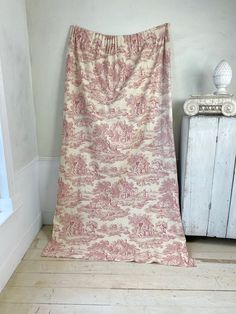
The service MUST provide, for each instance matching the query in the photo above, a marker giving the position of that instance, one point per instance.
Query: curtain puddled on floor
(118, 191)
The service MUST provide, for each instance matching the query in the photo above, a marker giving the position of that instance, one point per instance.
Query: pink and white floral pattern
(118, 192)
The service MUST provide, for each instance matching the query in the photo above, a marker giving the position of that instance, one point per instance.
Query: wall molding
(26, 167)
(46, 159)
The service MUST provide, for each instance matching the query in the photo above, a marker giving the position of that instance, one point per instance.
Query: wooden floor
(58, 286)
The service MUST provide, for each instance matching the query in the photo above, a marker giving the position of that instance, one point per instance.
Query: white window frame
(7, 191)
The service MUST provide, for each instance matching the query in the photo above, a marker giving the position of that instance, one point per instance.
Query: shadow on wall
(177, 109)
(201, 79)
(58, 118)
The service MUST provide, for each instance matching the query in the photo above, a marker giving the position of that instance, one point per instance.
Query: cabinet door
(222, 186)
(197, 167)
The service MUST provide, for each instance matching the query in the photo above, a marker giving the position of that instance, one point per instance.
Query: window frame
(7, 190)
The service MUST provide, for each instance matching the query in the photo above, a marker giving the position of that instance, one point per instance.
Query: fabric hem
(67, 253)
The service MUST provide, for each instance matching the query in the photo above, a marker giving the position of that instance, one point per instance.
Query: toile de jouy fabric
(118, 191)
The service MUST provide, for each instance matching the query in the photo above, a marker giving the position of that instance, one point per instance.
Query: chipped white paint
(223, 177)
(198, 161)
(208, 153)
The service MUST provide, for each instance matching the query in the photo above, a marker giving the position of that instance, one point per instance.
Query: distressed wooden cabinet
(208, 181)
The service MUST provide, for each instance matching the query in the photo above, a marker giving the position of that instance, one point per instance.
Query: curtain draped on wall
(118, 191)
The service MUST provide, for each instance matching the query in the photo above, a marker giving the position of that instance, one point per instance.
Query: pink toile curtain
(118, 191)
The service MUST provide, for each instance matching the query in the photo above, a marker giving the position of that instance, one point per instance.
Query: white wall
(203, 32)
(18, 231)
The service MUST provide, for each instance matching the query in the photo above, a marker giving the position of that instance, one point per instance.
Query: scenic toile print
(117, 188)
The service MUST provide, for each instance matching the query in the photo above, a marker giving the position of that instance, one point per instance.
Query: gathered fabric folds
(117, 188)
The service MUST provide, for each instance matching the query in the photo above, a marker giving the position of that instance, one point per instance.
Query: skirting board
(20, 228)
(48, 177)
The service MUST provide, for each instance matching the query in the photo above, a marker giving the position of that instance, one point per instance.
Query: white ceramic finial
(222, 76)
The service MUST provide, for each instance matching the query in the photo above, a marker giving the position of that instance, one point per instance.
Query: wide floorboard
(60, 286)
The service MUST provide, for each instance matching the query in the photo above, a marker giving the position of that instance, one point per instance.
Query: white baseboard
(48, 177)
(20, 228)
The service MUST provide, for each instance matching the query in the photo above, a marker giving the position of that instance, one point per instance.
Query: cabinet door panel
(199, 166)
(223, 177)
